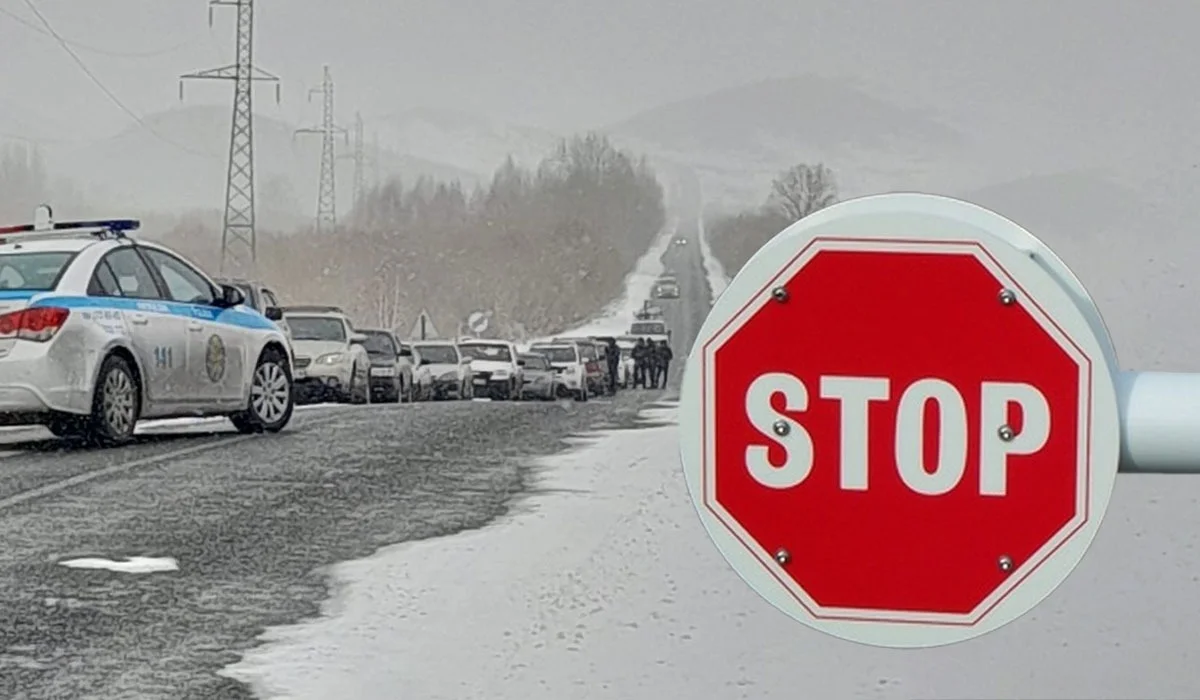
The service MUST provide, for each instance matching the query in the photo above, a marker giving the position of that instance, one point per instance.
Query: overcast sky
(569, 64)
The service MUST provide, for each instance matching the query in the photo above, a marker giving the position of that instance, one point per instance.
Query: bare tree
(802, 190)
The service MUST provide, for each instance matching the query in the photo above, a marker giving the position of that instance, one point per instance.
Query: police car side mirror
(273, 313)
(231, 296)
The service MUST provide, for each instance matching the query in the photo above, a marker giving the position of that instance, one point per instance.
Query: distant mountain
(466, 141)
(179, 163)
(1136, 257)
(739, 138)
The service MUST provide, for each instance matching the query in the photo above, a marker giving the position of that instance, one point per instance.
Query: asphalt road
(252, 521)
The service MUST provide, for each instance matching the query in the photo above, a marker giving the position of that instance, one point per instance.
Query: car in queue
(331, 362)
(448, 369)
(391, 379)
(626, 344)
(495, 369)
(99, 331)
(567, 361)
(651, 329)
(541, 379)
(594, 374)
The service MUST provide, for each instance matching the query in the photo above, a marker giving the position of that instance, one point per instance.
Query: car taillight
(38, 324)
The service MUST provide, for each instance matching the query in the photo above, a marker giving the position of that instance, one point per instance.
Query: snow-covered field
(616, 318)
(605, 585)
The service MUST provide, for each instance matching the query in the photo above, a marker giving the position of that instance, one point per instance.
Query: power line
(103, 88)
(93, 49)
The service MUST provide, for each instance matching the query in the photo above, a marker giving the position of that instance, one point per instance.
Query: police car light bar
(114, 227)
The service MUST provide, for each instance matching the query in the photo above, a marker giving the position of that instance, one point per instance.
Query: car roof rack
(312, 309)
(44, 227)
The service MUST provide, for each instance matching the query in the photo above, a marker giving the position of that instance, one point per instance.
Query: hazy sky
(567, 64)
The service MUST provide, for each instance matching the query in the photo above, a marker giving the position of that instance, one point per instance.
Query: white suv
(331, 362)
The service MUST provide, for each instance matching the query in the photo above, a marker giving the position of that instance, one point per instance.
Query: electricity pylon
(326, 191)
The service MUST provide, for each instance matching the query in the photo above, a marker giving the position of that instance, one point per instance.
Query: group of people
(651, 361)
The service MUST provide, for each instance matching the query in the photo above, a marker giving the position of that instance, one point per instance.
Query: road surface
(251, 521)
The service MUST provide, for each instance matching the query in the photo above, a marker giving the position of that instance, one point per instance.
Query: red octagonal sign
(899, 421)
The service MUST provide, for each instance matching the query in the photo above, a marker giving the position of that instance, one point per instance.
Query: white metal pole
(1160, 422)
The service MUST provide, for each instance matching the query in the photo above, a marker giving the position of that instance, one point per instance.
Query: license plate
(382, 372)
(480, 382)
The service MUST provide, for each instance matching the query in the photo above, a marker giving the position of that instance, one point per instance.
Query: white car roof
(54, 245)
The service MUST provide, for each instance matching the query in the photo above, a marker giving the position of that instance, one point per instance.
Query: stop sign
(899, 423)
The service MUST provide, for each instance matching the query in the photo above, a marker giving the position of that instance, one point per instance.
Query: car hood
(382, 361)
(490, 366)
(316, 348)
(442, 368)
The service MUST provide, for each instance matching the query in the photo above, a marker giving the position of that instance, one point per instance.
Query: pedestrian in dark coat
(655, 361)
(640, 358)
(613, 356)
(664, 355)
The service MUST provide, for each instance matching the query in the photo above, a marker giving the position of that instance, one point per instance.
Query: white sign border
(891, 221)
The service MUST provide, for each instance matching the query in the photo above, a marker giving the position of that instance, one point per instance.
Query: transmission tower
(326, 192)
(239, 244)
(375, 159)
(359, 156)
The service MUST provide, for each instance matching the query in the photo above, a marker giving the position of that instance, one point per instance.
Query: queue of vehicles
(99, 331)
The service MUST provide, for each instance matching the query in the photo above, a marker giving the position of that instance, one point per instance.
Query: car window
(133, 277)
(37, 272)
(184, 284)
(104, 282)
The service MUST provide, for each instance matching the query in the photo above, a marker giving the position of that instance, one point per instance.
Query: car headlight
(333, 358)
(449, 376)
(500, 373)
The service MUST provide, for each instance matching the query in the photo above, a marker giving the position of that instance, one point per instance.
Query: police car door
(159, 337)
(216, 350)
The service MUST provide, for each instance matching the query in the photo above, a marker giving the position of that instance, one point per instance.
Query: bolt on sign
(899, 423)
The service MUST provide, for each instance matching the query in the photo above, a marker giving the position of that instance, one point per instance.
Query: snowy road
(250, 521)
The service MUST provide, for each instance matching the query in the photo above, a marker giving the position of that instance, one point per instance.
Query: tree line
(541, 248)
(795, 193)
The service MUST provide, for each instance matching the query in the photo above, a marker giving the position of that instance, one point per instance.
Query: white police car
(98, 331)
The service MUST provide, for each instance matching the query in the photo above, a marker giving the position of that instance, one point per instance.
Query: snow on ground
(131, 565)
(713, 269)
(616, 318)
(605, 585)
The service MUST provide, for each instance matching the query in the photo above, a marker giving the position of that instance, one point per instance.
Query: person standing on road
(613, 356)
(665, 356)
(639, 363)
(653, 362)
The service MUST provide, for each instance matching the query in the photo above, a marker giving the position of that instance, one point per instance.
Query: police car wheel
(272, 399)
(116, 404)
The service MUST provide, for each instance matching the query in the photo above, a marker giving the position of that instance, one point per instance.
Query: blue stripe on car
(239, 317)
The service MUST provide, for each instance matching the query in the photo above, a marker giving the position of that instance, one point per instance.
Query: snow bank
(616, 318)
(607, 586)
(131, 565)
(713, 269)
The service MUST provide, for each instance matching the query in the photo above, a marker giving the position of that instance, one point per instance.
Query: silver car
(541, 379)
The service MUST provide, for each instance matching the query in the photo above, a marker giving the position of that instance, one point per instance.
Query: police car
(98, 331)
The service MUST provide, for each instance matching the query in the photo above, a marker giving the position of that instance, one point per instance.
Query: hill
(179, 164)
(740, 137)
(466, 141)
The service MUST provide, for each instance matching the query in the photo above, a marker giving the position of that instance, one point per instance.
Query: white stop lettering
(854, 396)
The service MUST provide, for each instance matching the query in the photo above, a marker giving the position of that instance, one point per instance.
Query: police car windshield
(649, 328)
(316, 328)
(559, 354)
(438, 354)
(491, 353)
(379, 343)
(31, 272)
